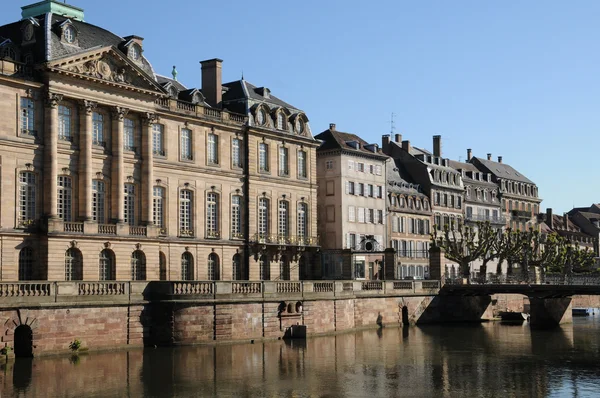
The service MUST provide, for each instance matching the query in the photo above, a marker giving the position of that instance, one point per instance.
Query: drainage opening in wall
(23, 342)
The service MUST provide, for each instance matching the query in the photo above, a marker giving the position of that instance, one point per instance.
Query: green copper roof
(53, 6)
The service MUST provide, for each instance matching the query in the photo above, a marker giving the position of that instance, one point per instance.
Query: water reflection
(453, 360)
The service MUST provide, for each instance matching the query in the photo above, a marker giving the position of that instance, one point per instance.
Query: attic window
(69, 34)
(300, 126)
(135, 52)
(173, 92)
(280, 121)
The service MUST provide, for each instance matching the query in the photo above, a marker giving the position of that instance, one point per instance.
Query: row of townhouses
(111, 171)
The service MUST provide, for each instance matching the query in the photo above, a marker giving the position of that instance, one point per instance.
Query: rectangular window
(98, 201)
(186, 200)
(236, 153)
(263, 157)
(129, 135)
(213, 148)
(371, 191)
(302, 164)
(361, 214)
(378, 170)
(371, 214)
(371, 169)
(186, 144)
(379, 191)
(236, 217)
(351, 165)
(380, 217)
(27, 188)
(351, 241)
(395, 224)
(361, 167)
(351, 188)
(158, 206)
(27, 117)
(64, 123)
(284, 168)
(158, 147)
(98, 129)
(129, 204)
(361, 189)
(330, 188)
(329, 165)
(64, 198)
(302, 220)
(351, 214)
(212, 215)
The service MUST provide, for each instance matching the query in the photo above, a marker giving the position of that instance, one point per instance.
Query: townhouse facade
(588, 221)
(112, 172)
(352, 204)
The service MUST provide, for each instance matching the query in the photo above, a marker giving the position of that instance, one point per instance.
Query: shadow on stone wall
(457, 309)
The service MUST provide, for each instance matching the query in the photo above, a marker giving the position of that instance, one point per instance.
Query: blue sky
(516, 79)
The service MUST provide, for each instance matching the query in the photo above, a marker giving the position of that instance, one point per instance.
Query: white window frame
(236, 217)
(302, 220)
(129, 196)
(263, 217)
(64, 198)
(158, 206)
(284, 161)
(99, 201)
(158, 139)
(302, 156)
(186, 206)
(98, 129)
(27, 197)
(212, 149)
(129, 135)
(212, 215)
(263, 157)
(283, 224)
(236, 153)
(185, 145)
(64, 123)
(28, 117)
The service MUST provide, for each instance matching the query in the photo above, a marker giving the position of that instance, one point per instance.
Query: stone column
(50, 156)
(118, 178)
(147, 168)
(437, 264)
(85, 160)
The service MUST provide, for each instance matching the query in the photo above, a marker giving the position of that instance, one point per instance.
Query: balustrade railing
(289, 287)
(107, 229)
(323, 287)
(184, 288)
(75, 227)
(292, 240)
(186, 106)
(246, 287)
(402, 285)
(25, 289)
(138, 231)
(372, 285)
(101, 288)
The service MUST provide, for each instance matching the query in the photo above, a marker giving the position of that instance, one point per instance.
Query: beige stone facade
(108, 171)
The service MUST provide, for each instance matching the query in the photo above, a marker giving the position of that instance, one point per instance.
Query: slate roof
(502, 170)
(242, 89)
(333, 139)
(470, 168)
(162, 80)
(399, 180)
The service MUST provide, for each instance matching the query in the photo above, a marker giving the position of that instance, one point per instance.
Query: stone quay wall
(113, 314)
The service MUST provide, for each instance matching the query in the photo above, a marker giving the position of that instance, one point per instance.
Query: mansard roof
(500, 170)
(334, 139)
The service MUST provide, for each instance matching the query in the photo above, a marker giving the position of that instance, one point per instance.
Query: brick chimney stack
(385, 143)
(549, 218)
(499, 159)
(398, 138)
(469, 154)
(406, 146)
(211, 81)
(437, 145)
(489, 156)
(332, 126)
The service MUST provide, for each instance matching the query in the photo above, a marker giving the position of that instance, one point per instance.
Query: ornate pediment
(108, 66)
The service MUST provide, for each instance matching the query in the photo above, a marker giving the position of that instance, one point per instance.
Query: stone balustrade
(16, 294)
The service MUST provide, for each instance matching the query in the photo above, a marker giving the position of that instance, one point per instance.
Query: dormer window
(300, 126)
(260, 117)
(173, 92)
(135, 52)
(69, 34)
(280, 121)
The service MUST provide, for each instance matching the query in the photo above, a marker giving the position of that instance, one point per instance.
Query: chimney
(566, 220)
(437, 145)
(489, 156)
(549, 218)
(385, 143)
(398, 138)
(499, 159)
(332, 126)
(211, 81)
(469, 154)
(406, 146)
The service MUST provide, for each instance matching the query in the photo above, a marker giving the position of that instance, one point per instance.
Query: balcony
(73, 227)
(521, 214)
(186, 233)
(188, 108)
(424, 254)
(213, 235)
(237, 235)
(289, 240)
(107, 229)
(138, 231)
(483, 218)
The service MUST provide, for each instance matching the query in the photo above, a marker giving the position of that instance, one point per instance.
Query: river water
(478, 360)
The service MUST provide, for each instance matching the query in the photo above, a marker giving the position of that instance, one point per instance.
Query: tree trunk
(465, 270)
(509, 269)
(499, 267)
(483, 271)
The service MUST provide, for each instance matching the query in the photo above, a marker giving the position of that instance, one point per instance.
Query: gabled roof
(398, 179)
(501, 170)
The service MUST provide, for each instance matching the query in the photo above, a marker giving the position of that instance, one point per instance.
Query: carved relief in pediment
(107, 68)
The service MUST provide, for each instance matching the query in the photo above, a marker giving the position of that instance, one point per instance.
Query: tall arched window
(265, 270)
(158, 206)
(186, 200)
(302, 220)
(213, 267)
(236, 217)
(162, 266)
(107, 265)
(26, 264)
(27, 205)
(187, 266)
(98, 201)
(129, 204)
(237, 268)
(73, 265)
(212, 215)
(263, 217)
(138, 266)
(283, 230)
(284, 269)
(64, 200)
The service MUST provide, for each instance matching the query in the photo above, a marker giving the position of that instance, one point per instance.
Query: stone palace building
(110, 171)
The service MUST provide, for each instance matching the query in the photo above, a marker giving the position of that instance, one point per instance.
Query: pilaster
(85, 160)
(117, 171)
(50, 155)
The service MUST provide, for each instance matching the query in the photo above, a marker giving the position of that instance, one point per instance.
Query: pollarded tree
(506, 246)
(464, 244)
